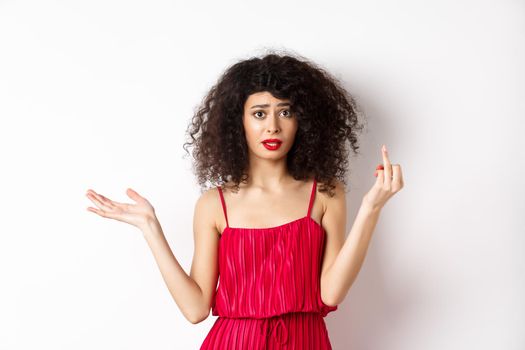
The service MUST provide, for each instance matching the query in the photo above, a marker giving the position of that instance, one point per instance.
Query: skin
(270, 189)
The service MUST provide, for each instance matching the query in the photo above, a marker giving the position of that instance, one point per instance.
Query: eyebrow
(267, 105)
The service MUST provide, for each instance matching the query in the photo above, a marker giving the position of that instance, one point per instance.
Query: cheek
(293, 131)
(252, 130)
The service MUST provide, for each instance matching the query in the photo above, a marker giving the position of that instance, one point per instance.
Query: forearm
(345, 268)
(184, 290)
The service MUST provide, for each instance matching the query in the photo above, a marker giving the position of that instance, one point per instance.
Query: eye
(255, 114)
(289, 113)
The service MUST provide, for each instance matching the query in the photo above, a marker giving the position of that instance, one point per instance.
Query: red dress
(268, 296)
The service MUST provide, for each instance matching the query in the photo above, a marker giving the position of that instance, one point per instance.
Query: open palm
(134, 214)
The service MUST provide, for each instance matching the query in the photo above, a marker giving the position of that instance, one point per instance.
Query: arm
(343, 261)
(192, 293)
(341, 274)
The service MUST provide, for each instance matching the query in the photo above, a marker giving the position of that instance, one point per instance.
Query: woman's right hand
(138, 214)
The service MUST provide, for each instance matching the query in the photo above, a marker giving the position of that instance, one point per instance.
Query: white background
(98, 94)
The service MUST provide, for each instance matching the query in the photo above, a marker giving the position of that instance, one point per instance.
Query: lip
(272, 140)
(270, 147)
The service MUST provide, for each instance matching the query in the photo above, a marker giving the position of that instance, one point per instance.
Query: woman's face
(266, 117)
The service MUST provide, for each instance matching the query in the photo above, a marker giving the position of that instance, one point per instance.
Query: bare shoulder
(206, 209)
(337, 201)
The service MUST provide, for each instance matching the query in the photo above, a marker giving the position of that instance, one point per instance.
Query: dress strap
(312, 196)
(223, 205)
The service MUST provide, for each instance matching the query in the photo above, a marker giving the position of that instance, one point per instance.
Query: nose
(273, 124)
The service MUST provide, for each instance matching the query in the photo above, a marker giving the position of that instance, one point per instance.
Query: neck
(268, 173)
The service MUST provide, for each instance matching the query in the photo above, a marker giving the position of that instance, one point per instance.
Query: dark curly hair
(326, 113)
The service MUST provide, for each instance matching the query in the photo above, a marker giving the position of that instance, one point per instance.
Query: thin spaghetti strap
(223, 206)
(312, 196)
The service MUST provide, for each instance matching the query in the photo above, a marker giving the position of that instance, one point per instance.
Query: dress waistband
(269, 327)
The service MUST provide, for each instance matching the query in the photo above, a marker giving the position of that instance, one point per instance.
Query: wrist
(150, 226)
(369, 208)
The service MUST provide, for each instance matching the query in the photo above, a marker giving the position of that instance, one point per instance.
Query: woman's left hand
(389, 182)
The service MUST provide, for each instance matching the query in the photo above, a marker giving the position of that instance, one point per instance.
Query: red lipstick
(272, 144)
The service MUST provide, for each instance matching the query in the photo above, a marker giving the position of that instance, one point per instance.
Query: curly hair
(326, 113)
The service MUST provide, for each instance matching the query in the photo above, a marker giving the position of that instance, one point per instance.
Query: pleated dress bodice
(265, 272)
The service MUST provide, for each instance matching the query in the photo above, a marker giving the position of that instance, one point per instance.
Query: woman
(265, 136)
